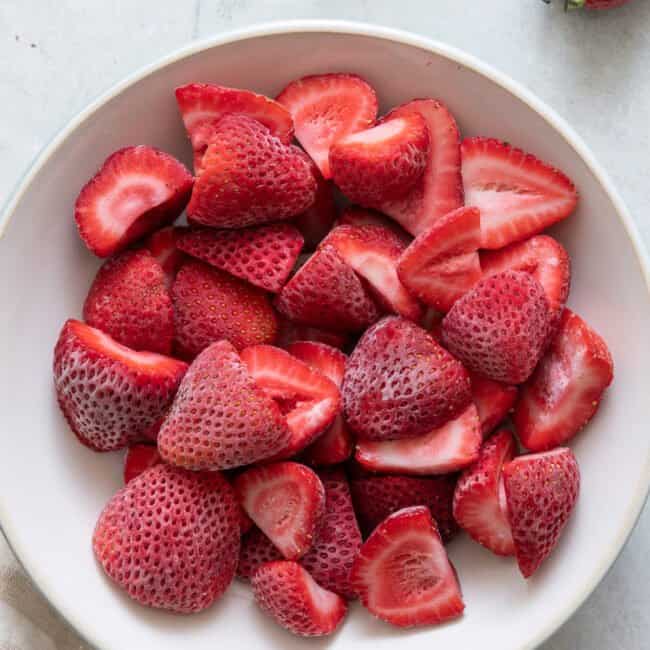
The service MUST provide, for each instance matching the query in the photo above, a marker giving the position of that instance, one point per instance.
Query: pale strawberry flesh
(493, 401)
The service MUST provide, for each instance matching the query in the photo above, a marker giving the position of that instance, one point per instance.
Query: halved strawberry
(518, 194)
(442, 263)
(373, 251)
(440, 188)
(162, 245)
(263, 256)
(137, 190)
(403, 575)
(493, 401)
(326, 108)
(480, 499)
(565, 390)
(381, 163)
(286, 501)
(290, 332)
(541, 491)
(446, 449)
(355, 216)
(138, 458)
(287, 592)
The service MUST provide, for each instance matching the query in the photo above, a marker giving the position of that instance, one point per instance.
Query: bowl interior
(52, 489)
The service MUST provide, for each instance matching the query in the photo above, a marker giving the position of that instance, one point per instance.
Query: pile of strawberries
(214, 353)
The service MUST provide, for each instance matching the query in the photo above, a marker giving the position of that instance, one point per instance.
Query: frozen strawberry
(137, 190)
(211, 305)
(355, 216)
(373, 252)
(220, 418)
(245, 522)
(109, 394)
(500, 327)
(170, 538)
(403, 575)
(290, 332)
(565, 390)
(139, 458)
(442, 263)
(445, 449)
(286, 592)
(249, 177)
(326, 292)
(382, 163)
(518, 195)
(541, 491)
(480, 500)
(439, 189)
(493, 401)
(256, 550)
(376, 497)
(286, 501)
(326, 108)
(399, 383)
(162, 245)
(129, 300)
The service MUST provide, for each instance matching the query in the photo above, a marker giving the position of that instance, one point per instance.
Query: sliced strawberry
(480, 499)
(373, 251)
(442, 263)
(263, 256)
(137, 190)
(355, 216)
(290, 332)
(541, 491)
(446, 449)
(440, 188)
(139, 458)
(518, 195)
(162, 245)
(493, 401)
(565, 390)
(326, 108)
(403, 575)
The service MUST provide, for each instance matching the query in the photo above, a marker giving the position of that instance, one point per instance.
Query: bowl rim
(355, 28)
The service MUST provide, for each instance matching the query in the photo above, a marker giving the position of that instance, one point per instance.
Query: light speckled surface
(55, 56)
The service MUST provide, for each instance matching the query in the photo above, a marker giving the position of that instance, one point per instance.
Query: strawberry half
(139, 458)
(286, 501)
(290, 332)
(220, 418)
(263, 256)
(287, 593)
(355, 216)
(541, 492)
(442, 263)
(565, 390)
(518, 195)
(137, 190)
(162, 245)
(98, 381)
(493, 401)
(326, 108)
(403, 575)
(480, 500)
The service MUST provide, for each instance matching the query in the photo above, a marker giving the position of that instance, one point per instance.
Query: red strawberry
(129, 301)
(290, 332)
(399, 383)
(309, 400)
(354, 216)
(220, 418)
(286, 501)
(480, 499)
(442, 263)
(541, 491)
(440, 189)
(373, 251)
(402, 574)
(286, 592)
(327, 107)
(493, 401)
(446, 449)
(382, 163)
(565, 391)
(249, 177)
(245, 522)
(326, 292)
(256, 550)
(210, 305)
(263, 256)
(162, 245)
(137, 190)
(500, 327)
(139, 458)
(376, 497)
(170, 538)
(518, 195)
(99, 382)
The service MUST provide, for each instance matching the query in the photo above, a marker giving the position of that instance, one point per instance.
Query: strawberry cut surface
(162, 245)
(139, 458)
(493, 401)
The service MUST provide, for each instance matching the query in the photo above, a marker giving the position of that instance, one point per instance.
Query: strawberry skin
(162, 245)
(137, 190)
(565, 391)
(355, 216)
(139, 458)
(493, 401)
(256, 549)
(541, 492)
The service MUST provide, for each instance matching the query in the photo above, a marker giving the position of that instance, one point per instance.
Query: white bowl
(52, 488)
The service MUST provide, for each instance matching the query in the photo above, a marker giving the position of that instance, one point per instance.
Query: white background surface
(56, 55)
